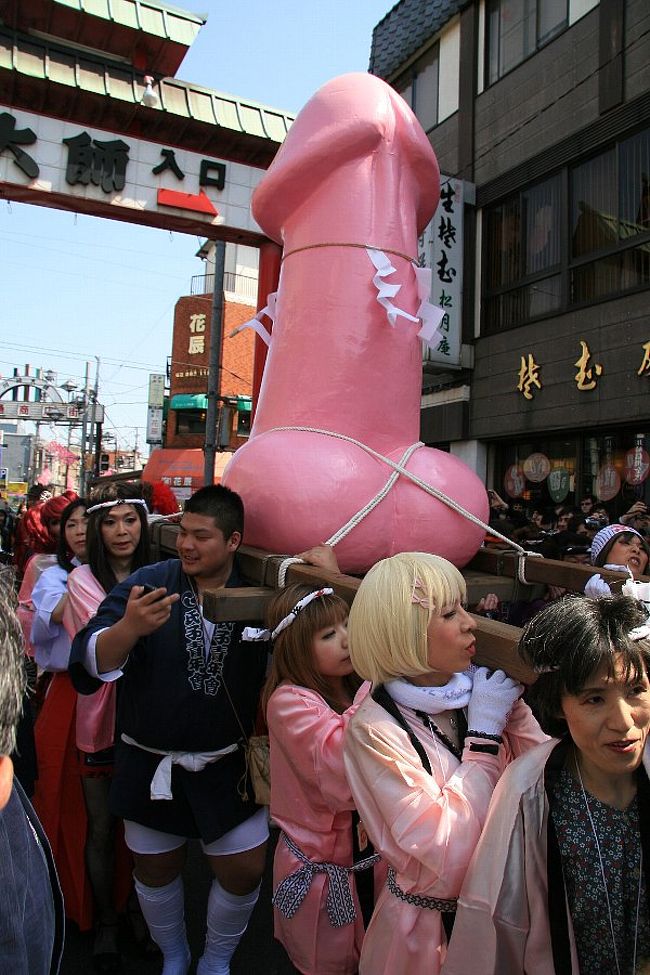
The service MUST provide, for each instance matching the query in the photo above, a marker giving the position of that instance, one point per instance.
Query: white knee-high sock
(228, 916)
(163, 909)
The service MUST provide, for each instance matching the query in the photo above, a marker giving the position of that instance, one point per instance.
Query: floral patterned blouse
(620, 847)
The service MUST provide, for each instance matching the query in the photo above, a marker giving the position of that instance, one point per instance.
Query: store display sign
(515, 481)
(608, 483)
(537, 467)
(637, 465)
(558, 484)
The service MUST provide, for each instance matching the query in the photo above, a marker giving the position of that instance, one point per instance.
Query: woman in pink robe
(58, 797)
(118, 544)
(310, 698)
(424, 751)
(559, 879)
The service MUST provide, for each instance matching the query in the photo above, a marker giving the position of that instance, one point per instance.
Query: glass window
(634, 186)
(426, 90)
(609, 210)
(523, 242)
(405, 89)
(541, 209)
(190, 422)
(551, 19)
(614, 467)
(536, 261)
(594, 221)
(517, 28)
(419, 88)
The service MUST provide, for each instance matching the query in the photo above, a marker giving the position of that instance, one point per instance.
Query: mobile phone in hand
(147, 588)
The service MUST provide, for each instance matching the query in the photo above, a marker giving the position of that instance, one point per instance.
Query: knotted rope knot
(398, 469)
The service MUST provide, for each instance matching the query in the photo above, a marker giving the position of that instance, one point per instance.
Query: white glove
(595, 587)
(619, 568)
(493, 696)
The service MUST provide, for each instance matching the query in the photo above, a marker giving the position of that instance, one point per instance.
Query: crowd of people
(434, 816)
(561, 529)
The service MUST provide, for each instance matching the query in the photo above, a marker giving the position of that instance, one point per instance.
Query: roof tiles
(405, 29)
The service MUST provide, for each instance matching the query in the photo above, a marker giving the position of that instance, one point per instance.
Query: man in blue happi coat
(187, 689)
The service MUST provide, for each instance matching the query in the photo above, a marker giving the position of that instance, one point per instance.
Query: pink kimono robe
(26, 610)
(502, 924)
(95, 712)
(425, 826)
(58, 797)
(312, 803)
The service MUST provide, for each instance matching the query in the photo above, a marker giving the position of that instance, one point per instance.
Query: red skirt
(58, 797)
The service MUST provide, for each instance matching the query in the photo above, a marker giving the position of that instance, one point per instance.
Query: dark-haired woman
(117, 545)
(58, 796)
(621, 548)
(558, 884)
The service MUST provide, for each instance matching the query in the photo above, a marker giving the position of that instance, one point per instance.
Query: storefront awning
(189, 401)
(182, 468)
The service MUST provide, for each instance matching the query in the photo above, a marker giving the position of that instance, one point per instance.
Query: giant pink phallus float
(351, 188)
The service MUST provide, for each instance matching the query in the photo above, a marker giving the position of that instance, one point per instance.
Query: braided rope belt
(419, 900)
(291, 892)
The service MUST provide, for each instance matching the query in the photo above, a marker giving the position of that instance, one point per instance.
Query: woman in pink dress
(424, 751)
(58, 797)
(322, 869)
(559, 880)
(118, 544)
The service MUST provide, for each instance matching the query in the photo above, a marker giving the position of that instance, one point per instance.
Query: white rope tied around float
(399, 469)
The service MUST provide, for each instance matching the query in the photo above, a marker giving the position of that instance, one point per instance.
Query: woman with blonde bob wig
(424, 751)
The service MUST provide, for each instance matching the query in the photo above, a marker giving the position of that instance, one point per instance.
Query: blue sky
(75, 287)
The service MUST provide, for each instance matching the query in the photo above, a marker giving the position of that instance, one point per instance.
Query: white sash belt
(161, 783)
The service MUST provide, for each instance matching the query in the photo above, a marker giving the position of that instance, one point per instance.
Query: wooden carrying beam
(569, 575)
(496, 642)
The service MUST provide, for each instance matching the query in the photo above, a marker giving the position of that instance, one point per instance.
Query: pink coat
(502, 924)
(425, 826)
(311, 801)
(26, 610)
(95, 712)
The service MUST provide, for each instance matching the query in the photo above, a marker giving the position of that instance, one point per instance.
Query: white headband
(111, 504)
(640, 632)
(251, 633)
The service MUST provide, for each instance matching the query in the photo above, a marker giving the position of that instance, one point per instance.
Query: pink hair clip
(420, 600)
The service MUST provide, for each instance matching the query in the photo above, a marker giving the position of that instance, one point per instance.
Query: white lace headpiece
(251, 633)
(111, 504)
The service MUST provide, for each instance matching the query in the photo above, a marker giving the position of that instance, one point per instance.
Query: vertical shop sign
(155, 409)
(440, 247)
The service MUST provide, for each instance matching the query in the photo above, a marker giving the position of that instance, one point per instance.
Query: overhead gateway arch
(93, 120)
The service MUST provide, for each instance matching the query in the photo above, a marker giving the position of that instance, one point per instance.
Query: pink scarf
(95, 712)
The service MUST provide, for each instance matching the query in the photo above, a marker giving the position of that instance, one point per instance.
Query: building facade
(542, 108)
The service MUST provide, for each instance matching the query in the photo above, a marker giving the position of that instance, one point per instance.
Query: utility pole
(135, 448)
(93, 418)
(84, 434)
(214, 373)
